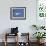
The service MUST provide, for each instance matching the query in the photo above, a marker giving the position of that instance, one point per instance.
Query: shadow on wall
(7, 30)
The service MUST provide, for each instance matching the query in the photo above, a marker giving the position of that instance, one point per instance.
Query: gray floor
(13, 44)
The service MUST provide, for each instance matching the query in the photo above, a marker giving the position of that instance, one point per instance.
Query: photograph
(18, 13)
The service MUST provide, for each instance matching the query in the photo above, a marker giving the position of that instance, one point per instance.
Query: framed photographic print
(18, 13)
(41, 12)
(41, 8)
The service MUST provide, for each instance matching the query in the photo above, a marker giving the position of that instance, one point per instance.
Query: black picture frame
(18, 13)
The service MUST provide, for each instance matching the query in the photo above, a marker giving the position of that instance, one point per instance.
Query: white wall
(24, 25)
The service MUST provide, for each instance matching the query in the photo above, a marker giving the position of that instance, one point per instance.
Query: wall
(24, 25)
